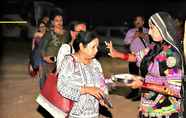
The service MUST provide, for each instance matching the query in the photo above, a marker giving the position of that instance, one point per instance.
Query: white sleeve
(65, 49)
(67, 84)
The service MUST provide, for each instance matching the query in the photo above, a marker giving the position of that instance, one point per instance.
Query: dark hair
(135, 18)
(84, 38)
(75, 23)
(55, 12)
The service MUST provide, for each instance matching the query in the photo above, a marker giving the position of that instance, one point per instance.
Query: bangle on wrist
(125, 57)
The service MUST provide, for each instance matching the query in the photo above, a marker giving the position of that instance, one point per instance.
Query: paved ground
(18, 90)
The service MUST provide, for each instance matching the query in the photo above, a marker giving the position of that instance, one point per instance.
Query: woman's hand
(48, 59)
(116, 54)
(94, 91)
(102, 103)
(136, 83)
(112, 52)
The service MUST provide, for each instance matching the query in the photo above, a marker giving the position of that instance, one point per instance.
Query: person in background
(137, 38)
(35, 58)
(81, 78)
(46, 19)
(67, 48)
(75, 28)
(50, 45)
(162, 67)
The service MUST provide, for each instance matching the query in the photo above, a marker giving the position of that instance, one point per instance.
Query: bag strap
(82, 73)
(70, 49)
(143, 42)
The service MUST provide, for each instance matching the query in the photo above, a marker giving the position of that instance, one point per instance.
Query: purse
(50, 92)
(48, 106)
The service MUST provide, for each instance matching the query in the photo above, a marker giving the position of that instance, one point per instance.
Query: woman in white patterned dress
(81, 78)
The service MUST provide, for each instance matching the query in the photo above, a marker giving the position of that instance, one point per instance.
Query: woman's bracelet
(125, 56)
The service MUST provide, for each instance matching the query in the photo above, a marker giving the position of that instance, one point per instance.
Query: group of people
(154, 55)
(49, 39)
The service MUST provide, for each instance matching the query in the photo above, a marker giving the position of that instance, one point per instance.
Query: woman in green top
(50, 45)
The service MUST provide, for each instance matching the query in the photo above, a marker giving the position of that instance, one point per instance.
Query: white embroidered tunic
(71, 79)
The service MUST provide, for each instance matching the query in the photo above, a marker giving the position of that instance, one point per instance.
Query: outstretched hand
(48, 59)
(136, 83)
(112, 51)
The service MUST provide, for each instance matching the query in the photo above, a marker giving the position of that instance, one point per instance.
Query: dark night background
(18, 89)
(102, 12)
